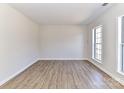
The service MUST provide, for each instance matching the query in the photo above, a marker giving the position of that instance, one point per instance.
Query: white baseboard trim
(17, 73)
(63, 58)
(107, 72)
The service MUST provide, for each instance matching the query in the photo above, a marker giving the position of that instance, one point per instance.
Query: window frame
(93, 44)
(120, 59)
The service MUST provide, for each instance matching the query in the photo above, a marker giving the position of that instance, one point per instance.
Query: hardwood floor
(62, 75)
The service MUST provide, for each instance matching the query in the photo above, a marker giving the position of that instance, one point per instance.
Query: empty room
(61, 46)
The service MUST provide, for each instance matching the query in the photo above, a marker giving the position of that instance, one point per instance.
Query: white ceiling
(61, 13)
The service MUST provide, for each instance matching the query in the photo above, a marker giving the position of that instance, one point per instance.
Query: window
(97, 43)
(121, 44)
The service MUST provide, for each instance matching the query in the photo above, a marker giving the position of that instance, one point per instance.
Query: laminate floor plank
(62, 74)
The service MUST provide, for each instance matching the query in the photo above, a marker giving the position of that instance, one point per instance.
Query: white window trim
(99, 61)
(119, 61)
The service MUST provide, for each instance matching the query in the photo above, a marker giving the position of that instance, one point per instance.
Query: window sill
(97, 60)
(120, 72)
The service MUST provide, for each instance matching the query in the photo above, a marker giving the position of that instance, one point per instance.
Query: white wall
(110, 29)
(63, 42)
(19, 39)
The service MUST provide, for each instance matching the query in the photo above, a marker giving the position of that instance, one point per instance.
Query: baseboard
(63, 59)
(17, 73)
(107, 72)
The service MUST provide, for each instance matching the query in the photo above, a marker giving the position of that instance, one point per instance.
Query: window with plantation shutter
(97, 43)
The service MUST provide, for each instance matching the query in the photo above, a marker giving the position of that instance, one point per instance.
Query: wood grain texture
(62, 75)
